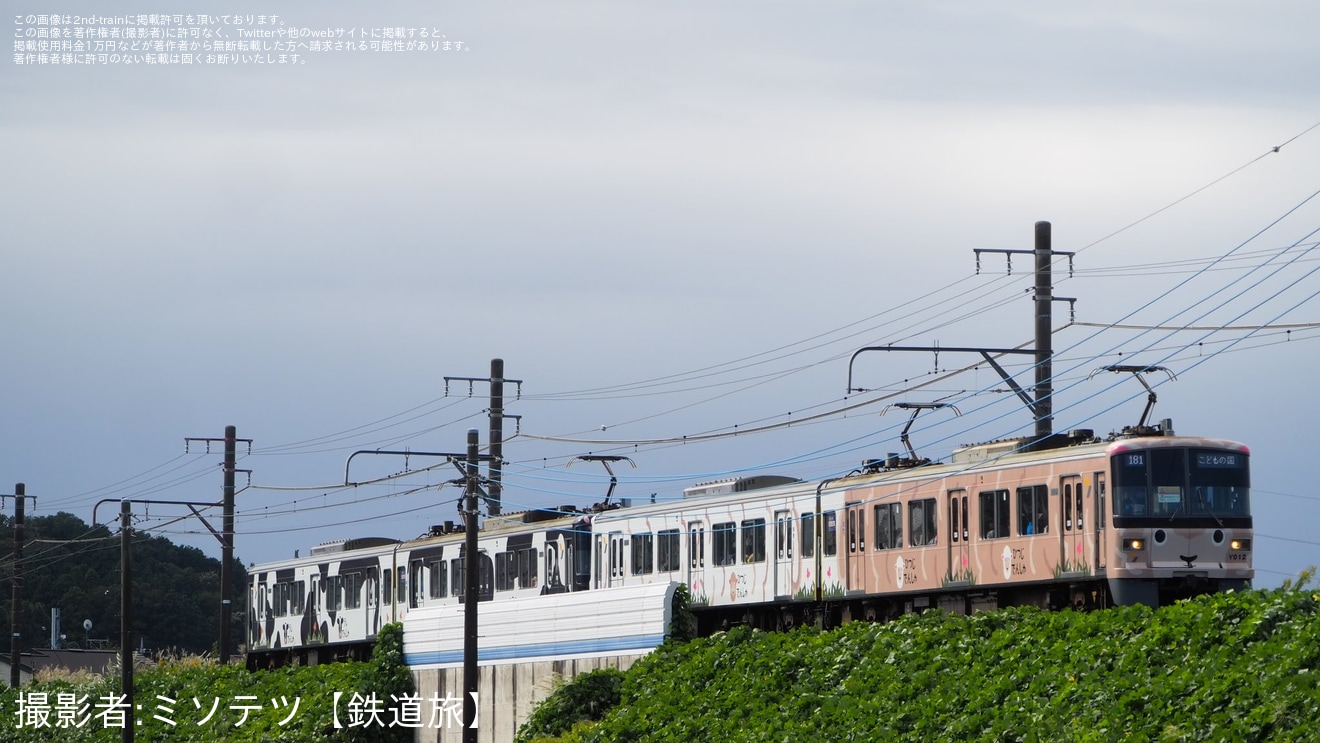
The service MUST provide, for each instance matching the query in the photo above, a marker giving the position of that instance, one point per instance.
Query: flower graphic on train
(898, 570)
(1007, 557)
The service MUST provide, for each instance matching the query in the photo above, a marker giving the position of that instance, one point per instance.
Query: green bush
(1229, 667)
(585, 698)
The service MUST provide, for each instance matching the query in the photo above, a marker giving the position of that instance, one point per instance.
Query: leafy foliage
(195, 687)
(1229, 667)
(388, 678)
(176, 589)
(585, 698)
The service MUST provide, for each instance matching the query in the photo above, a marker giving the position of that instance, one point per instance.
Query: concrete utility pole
(471, 594)
(126, 618)
(16, 597)
(496, 381)
(1041, 404)
(226, 535)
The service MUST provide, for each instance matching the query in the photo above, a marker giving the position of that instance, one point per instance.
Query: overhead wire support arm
(985, 353)
(452, 457)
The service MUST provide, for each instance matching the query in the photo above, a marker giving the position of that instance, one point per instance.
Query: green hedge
(1230, 667)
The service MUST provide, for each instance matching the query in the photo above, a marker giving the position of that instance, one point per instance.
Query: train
(1143, 516)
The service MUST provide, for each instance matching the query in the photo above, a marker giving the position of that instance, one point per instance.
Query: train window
(852, 531)
(808, 534)
(966, 534)
(1033, 509)
(457, 577)
(1100, 494)
(417, 576)
(352, 583)
(994, 514)
(667, 557)
(953, 519)
(1067, 506)
(888, 526)
(725, 545)
(506, 567)
(439, 579)
(643, 554)
(402, 587)
(1077, 493)
(831, 535)
(334, 593)
(753, 540)
(388, 586)
(527, 559)
(922, 528)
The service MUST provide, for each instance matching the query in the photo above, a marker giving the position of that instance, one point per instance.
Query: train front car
(1181, 517)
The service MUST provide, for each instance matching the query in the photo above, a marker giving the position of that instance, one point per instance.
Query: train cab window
(994, 514)
(457, 578)
(830, 538)
(753, 540)
(725, 543)
(667, 557)
(1033, 510)
(808, 532)
(439, 579)
(643, 554)
(922, 527)
(889, 526)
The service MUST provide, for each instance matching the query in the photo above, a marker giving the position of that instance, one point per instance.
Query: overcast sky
(669, 219)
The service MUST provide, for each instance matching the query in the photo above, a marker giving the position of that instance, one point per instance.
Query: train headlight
(1240, 544)
(1134, 544)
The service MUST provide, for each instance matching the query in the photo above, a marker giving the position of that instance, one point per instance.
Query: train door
(260, 631)
(1100, 519)
(960, 565)
(1073, 555)
(616, 559)
(696, 555)
(855, 560)
(783, 553)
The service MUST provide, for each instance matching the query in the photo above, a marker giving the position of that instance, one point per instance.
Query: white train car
(330, 604)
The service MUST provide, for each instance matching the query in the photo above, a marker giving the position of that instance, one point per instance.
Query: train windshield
(1178, 483)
